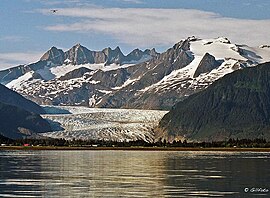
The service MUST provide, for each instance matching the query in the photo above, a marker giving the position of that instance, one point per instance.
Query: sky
(29, 28)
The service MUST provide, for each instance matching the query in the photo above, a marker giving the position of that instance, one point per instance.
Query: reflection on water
(131, 174)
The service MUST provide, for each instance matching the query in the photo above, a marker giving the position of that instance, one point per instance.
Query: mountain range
(192, 78)
(141, 79)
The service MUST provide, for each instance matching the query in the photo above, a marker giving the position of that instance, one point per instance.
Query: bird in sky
(54, 11)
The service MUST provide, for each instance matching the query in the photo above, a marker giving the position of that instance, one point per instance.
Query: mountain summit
(78, 55)
(141, 79)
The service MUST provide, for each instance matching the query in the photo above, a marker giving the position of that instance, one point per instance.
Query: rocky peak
(137, 52)
(109, 51)
(79, 54)
(54, 54)
(183, 45)
(177, 55)
(113, 56)
(136, 55)
(117, 49)
(193, 38)
(78, 45)
(152, 52)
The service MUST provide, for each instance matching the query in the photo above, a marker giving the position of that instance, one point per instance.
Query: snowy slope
(51, 73)
(232, 56)
(106, 124)
(64, 69)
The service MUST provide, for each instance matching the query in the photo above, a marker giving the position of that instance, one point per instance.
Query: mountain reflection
(99, 173)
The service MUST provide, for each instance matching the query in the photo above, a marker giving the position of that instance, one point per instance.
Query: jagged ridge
(188, 67)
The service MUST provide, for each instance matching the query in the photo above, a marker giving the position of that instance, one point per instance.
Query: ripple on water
(130, 174)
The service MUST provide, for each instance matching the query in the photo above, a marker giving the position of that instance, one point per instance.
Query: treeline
(240, 143)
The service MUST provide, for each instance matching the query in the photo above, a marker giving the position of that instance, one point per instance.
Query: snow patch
(92, 101)
(126, 83)
(19, 82)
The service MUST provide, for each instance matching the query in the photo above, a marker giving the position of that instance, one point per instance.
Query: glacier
(122, 125)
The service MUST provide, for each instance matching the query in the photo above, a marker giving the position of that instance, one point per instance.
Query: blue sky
(29, 28)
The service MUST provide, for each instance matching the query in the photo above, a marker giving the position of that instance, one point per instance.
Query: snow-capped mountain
(76, 57)
(79, 55)
(139, 80)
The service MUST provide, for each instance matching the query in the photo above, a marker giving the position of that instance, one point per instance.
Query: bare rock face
(79, 55)
(207, 64)
(55, 55)
(137, 55)
(99, 57)
(113, 56)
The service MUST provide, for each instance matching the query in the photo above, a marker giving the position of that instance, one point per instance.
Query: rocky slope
(19, 123)
(236, 106)
(19, 117)
(141, 79)
(10, 97)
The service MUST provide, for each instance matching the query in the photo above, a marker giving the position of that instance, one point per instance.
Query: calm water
(132, 174)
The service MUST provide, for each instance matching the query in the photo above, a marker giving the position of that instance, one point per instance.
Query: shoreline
(55, 148)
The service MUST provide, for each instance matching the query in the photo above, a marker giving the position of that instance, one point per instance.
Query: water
(133, 174)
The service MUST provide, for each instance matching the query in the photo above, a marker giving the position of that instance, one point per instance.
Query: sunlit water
(132, 174)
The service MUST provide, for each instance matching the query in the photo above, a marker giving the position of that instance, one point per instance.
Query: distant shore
(225, 149)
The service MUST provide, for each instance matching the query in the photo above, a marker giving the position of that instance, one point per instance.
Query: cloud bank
(15, 58)
(144, 27)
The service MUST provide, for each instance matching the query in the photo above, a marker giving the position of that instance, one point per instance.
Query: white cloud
(8, 60)
(144, 27)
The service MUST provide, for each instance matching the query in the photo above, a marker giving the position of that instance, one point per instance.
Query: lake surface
(134, 174)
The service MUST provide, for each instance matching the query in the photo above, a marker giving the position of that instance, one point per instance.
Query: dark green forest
(242, 143)
(235, 106)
